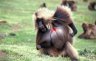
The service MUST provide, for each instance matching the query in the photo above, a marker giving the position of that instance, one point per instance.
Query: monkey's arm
(73, 28)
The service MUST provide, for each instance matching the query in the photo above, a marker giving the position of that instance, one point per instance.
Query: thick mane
(44, 13)
(63, 13)
(47, 15)
(65, 10)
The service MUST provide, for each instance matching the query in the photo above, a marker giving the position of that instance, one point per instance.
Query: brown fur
(44, 13)
(66, 14)
(89, 31)
(92, 6)
(62, 45)
(70, 3)
(71, 51)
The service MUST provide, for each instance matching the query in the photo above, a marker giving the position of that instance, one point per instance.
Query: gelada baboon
(89, 31)
(56, 40)
(92, 6)
(70, 3)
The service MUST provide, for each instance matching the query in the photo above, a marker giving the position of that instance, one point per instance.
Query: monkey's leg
(63, 53)
(44, 51)
(53, 52)
(71, 52)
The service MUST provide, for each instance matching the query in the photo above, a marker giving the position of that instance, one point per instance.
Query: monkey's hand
(71, 34)
(38, 47)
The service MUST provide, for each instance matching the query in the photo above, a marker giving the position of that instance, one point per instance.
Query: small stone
(12, 34)
(3, 22)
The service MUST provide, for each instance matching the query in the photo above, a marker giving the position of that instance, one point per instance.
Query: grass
(21, 47)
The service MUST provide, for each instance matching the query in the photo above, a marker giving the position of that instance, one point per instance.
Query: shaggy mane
(64, 13)
(44, 13)
(48, 15)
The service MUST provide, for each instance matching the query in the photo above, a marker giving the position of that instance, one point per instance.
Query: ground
(17, 36)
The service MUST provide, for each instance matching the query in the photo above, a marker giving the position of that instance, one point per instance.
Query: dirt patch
(2, 36)
(3, 22)
(15, 27)
(2, 53)
(3, 56)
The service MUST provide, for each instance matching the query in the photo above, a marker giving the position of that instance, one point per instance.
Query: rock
(12, 34)
(3, 22)
(2, 35)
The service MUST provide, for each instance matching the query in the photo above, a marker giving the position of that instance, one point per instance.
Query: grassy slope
(22, 46)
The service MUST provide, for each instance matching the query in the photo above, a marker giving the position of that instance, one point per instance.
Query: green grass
(18, 14)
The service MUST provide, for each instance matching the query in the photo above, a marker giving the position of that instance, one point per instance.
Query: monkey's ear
(34, 18)
(43, 5)
(84, 25)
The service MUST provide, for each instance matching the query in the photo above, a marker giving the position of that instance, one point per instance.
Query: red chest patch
(53, 30)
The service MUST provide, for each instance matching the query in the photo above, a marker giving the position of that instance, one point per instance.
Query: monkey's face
(40, 24)
(85, 27)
